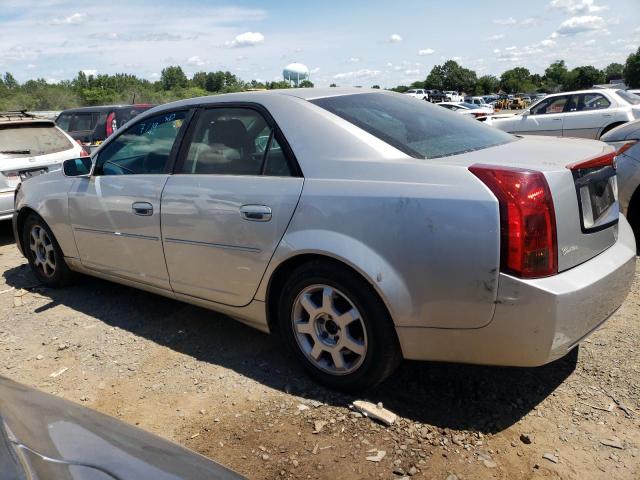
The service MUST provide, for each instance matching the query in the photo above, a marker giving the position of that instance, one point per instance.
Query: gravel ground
(232, 394)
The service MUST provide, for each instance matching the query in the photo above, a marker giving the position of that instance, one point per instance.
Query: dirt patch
(233, 394)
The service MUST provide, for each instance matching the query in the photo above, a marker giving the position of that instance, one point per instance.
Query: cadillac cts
(363, 226)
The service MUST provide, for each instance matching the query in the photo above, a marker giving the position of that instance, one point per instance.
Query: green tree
(9, 82)
(214, 81)
(306, 84)
(333, 85)
(614, 71)
(173, 77)
(631, 70)
(487, 84)
(451, 76)
(555, 75)
(199, 80)
(583, 77)
(516, 80)
(377, 87)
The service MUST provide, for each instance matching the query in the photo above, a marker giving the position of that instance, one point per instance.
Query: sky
(348, 42)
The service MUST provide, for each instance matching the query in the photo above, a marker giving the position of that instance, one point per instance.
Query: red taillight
(111, 123)
(528, 240)
(605, 160)
(626, 147)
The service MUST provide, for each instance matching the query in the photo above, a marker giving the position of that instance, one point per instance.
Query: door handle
(556, 119)
(144, 209)
(256, 213)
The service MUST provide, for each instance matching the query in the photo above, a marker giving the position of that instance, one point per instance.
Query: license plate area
(597, 191)
(33, 172)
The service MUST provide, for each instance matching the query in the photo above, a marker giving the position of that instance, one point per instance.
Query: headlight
(13, 179)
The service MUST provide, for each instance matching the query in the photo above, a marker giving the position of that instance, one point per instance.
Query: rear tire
(337, 326)
(44, 254)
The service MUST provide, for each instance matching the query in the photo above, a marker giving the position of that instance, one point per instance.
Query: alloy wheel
(44, 258)
(329, 329)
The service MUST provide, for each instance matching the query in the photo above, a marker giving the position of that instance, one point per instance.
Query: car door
(587, 116)
(115, 214)
(228, 204)
(544, 118)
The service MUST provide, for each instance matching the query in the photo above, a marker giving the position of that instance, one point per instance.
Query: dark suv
(92, 125)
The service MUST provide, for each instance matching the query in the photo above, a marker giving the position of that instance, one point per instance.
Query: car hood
(628, 131)
(45, 437)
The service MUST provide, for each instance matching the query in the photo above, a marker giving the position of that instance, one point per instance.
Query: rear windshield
(418, 129)
(632, 98)
(32, 140)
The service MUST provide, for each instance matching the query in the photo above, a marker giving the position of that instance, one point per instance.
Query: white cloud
(505, 21)
(585, 23)
(246, 39)
(456, 59)
(590, 42)
(547, 43)
(314, 70)
(395, 38)
(426, 51)
(412, 72)
(90, 71)
(73, 19)
(363, 73)
(241, 57)
(196, 60)
(31, 66)
(497, 36)
(573, 7)
(354, 59)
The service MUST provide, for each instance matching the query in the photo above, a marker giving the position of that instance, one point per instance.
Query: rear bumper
(6, 205)
(536, 321)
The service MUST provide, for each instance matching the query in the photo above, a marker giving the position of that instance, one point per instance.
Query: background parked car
(479, 101)
(453, 96)
(219, 218)
(585, 113)
(93, 125)
(46, 437)
(470, 109)
(436, 96)
(626, 140)
(29, 146)
(418, 93)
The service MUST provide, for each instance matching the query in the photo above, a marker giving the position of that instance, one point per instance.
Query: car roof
(103, 108)
(22, 118)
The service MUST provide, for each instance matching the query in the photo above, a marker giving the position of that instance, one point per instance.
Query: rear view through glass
(416, 128)
(32, 140)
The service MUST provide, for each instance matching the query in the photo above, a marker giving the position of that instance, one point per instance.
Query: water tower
(294, 73)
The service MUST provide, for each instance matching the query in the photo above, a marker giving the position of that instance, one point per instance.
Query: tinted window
(550, 105)
(593, 101)
(632, 98)
(419, 129)
(82, 121)
(63, 121)
(144, 148)
(234, 141)
(31, 140)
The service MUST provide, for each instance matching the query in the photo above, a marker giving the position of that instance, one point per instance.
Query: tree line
(86, 90)
(173, 84)
(556, 78)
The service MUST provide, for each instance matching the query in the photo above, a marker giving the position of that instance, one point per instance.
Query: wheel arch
(610, 127)
(280, 272)
(23, 214)
(633, 213)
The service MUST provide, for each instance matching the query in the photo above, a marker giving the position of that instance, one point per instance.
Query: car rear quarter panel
(430, 247)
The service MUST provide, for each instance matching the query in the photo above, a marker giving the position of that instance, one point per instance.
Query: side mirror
(77, 167)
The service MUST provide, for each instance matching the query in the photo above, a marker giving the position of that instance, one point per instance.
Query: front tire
(337, 326)
(44, 254)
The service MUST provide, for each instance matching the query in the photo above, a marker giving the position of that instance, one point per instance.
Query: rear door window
(63, 121)
(32, 140)
(418, 129)
(81, 122)
(593, 101)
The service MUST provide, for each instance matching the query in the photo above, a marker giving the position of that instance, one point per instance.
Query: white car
(480, 102)
(585, 114)
(453, 96)
(418, 93)
(29, 146)
(468, 109)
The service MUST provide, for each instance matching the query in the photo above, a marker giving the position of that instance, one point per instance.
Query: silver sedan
(362, 226)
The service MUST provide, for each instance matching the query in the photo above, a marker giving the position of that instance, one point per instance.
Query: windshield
(469, 105)
(419, 129)
(629, 97)
(32, 140)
